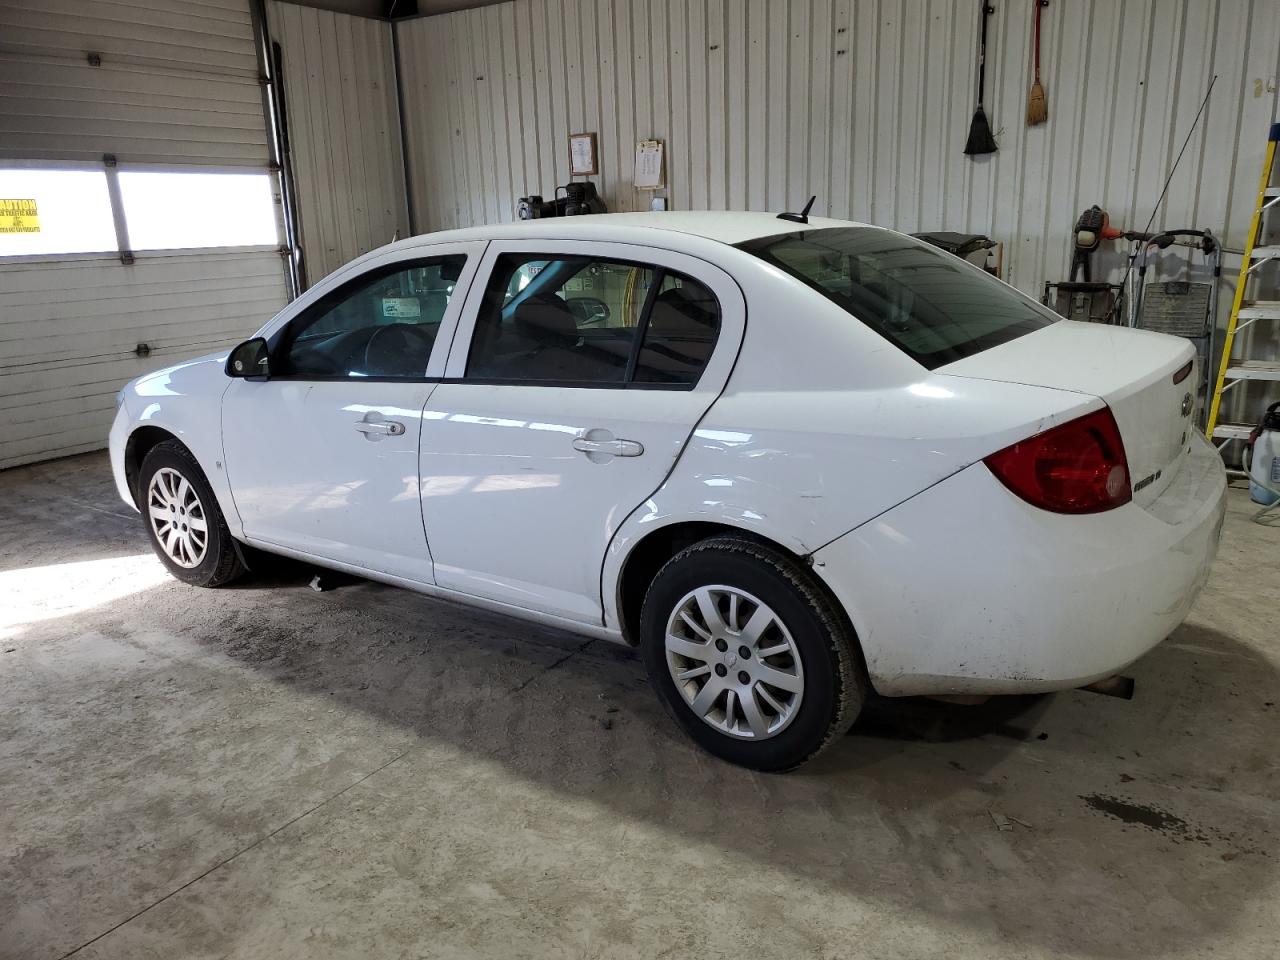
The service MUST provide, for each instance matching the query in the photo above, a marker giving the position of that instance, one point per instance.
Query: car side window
(681, 332)
(585, 320)
(380, 325)
(566, 319)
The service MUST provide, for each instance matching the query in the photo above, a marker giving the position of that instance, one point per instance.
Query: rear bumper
(967, 589)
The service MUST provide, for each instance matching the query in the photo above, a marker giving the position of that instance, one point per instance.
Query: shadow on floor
(1117, 805)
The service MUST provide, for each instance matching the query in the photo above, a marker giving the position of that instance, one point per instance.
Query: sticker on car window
(402, 308)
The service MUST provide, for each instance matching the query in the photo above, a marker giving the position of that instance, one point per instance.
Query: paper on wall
(648, 171)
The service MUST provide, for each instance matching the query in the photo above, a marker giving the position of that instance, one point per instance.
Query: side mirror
(250, 359)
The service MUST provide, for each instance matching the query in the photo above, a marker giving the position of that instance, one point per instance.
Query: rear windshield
(930, 304)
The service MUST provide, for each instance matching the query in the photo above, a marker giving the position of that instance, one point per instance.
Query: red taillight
(1078, 467)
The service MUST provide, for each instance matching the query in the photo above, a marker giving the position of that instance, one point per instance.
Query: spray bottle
(1264, 460)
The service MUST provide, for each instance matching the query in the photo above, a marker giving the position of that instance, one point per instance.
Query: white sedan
(789, 461)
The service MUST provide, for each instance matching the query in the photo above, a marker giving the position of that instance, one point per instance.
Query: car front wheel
(749, 655)
(183, 522)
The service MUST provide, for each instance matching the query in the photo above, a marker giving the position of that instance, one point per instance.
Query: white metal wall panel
(865, 103)
(344, 132)
(68, 330)
(178, 81)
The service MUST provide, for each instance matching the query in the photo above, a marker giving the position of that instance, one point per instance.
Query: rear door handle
(381, 428)
(608, 448)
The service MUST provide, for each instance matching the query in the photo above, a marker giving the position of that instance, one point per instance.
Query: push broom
(1037, 109)
(980, 139)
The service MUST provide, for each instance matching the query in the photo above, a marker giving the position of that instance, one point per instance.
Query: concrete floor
(271, 771)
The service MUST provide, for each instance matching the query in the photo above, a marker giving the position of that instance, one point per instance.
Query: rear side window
(683, 324)
(583, 320)
(928, 303)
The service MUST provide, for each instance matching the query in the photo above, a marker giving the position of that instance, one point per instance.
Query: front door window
(381, 325)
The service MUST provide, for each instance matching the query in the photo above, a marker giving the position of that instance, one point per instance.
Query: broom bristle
(980, 139)
(1037, 109)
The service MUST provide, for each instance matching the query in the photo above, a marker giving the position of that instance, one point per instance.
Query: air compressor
(579, 198)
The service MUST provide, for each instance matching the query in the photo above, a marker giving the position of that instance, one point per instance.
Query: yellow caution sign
(19, 216)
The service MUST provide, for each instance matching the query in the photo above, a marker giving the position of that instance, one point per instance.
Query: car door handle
(613, 448)
(383, 428)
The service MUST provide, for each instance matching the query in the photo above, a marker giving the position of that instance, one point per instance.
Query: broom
(1037, 109)
(980, 139)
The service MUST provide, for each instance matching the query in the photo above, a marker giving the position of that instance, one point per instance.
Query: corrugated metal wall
(344, 133)
(178, 81)
(864, 102)
(177, 85)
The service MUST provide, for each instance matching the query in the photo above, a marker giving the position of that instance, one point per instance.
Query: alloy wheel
(177, 517)
(734, 662)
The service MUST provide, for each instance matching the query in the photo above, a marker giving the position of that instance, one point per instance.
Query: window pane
(382, 325)
(571, 319)
(173, 211)
(73, 212)
(681, 334)
(928, 303)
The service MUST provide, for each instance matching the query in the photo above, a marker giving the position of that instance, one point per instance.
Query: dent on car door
(322, 455)
(576, 376)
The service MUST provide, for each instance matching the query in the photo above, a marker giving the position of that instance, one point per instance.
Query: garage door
(134, 146)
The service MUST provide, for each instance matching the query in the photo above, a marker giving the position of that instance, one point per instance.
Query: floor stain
(1136, 813)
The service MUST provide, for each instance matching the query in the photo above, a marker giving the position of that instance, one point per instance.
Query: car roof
(722, 226)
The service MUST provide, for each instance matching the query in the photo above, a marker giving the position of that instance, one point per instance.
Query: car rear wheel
(748, 655)
(183, 522)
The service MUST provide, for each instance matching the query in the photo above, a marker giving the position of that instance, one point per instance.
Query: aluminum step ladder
(1244, 311)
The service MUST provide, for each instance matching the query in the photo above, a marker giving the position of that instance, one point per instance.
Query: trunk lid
(1132, 370)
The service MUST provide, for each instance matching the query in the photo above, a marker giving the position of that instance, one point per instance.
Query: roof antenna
(802, 216)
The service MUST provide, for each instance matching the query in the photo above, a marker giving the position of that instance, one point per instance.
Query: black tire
(834, 681)
(221, 562)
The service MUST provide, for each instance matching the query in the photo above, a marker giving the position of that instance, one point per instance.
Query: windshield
(928, 303)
